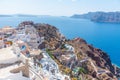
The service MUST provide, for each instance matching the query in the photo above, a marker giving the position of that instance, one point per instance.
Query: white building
(69, 47)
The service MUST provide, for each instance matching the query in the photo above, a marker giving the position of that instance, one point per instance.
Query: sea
(105, 36)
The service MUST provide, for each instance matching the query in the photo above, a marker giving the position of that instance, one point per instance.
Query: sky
(57, 7)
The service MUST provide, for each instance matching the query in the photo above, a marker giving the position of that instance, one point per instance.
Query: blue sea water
(105, 36)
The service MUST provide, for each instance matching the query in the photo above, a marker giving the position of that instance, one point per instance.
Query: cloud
(74, 0)
(69, 0)
(60, 0)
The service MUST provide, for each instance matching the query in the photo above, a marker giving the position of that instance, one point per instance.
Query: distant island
(25, 15)
(22, 15)
(18, 15)
(5, 15)
(109, 17)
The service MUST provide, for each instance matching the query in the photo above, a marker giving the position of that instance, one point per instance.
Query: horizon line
(52, 15)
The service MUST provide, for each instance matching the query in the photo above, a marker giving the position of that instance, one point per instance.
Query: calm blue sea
(105, 36)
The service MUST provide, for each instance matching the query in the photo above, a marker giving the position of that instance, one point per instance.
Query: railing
(24, 59)
(36, 74)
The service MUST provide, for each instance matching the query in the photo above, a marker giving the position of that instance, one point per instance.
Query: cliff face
(99, 62)
(112, 17)
(52, 37)
(81, 61)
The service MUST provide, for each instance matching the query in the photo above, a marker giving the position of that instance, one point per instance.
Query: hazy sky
(57, 7)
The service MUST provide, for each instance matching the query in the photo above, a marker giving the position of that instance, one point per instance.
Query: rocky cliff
(112, 17)
(81, 61)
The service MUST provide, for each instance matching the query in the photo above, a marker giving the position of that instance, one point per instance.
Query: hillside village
(39, 52)
(24, 42)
